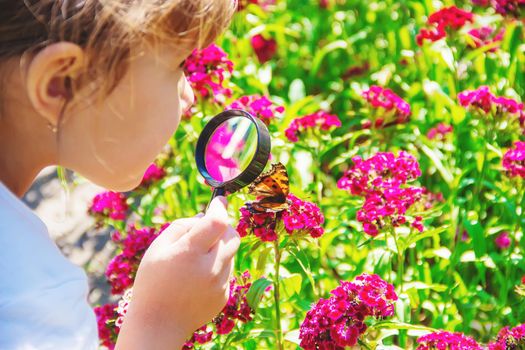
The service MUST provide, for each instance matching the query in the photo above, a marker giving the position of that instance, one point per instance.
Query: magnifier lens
(230, 148)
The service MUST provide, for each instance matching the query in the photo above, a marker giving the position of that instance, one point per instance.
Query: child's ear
(48, 78)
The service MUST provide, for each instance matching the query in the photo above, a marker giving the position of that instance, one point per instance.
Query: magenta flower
(503, 240)
(259, 106)
(237, 307)
(486, 36)
(122, 269)
(394, 110)
(440, 131)
(509, 339)
(379, 180)
(301, 217)
(153, 174)
(509, 7)
(337, 322)
(264, 48)
(446, 19)
(236, 310)
(483, 101)
(241, 4)
(207, 70)
(201, 336)
(106, 333)
(320, 120)
(446, 340)
(514, 160)
(109, 204)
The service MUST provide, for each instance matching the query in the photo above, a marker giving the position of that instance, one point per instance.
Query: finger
(179, 227)
(227, 246)
(211, 227)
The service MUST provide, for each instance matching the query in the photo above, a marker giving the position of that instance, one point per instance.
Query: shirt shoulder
(43, 296)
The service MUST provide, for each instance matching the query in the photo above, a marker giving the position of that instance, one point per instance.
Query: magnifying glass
(232, 151)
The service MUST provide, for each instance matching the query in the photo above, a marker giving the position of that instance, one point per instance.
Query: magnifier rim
(256, 165)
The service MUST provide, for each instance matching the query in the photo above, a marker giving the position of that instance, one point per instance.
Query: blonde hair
(107, 30)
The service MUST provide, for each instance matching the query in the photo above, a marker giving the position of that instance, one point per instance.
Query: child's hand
(182, 281)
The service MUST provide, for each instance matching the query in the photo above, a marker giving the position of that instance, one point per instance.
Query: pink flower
(106, 333)
(446, 340)
(259, 106)
(483, 101)
(394, 110)
(509, 7)
(301, 217)
(241, 4)
(109, 204)
(509, 339)
(264, 48)
(449, 18)
(153, 173)
(440, 131)
(514, 160)
(320, 119)
(201, 336)
(207, 70)
(503, 240)
(485, 36)
(338, 321)
(122, 269)
(379, 180)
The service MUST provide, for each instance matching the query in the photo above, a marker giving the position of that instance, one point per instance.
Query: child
(97, 86)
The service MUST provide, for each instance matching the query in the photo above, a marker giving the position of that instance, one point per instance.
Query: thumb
(212, 226)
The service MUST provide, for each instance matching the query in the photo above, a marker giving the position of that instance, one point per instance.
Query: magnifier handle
(217, 191)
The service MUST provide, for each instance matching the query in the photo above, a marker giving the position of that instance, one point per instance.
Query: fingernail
(223, 200)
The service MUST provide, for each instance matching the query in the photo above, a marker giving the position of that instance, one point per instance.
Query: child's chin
(124, 186)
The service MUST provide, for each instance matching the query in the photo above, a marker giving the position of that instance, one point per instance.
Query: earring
(52, 127)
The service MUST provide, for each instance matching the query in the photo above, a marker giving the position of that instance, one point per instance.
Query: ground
(72, 228)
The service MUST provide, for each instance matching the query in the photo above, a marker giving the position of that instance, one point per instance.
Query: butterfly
(271, 189)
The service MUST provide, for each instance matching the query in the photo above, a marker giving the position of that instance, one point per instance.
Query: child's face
(113, 142)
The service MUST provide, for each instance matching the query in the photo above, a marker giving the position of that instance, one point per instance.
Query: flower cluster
(264, 48)
(337, 322)
(514, 160)
(509, 7)
(241, 4)
(486, 36)
(396, 110)
(236, 309)
(202, 335)
(379, 180)
(301, 217)
(483, 101)
(509, 339)
(320, 119)
(106, 315)
(122, 307)
(121, 270)
(448, 18)
(440, 131)
(447, 340)
(109, 204)
(259, 106)
(207, 70)
(153, 174)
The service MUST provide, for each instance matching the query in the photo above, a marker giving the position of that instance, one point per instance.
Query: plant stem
(276, 295)
(400, 263)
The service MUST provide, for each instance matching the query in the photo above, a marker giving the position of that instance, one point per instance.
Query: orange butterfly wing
(271, 188)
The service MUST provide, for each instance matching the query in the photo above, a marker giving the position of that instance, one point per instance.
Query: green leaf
(292, 284)
(256, 292)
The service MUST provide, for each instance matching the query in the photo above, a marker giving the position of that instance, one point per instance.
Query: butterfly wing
(272, 189)
(273, 182)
